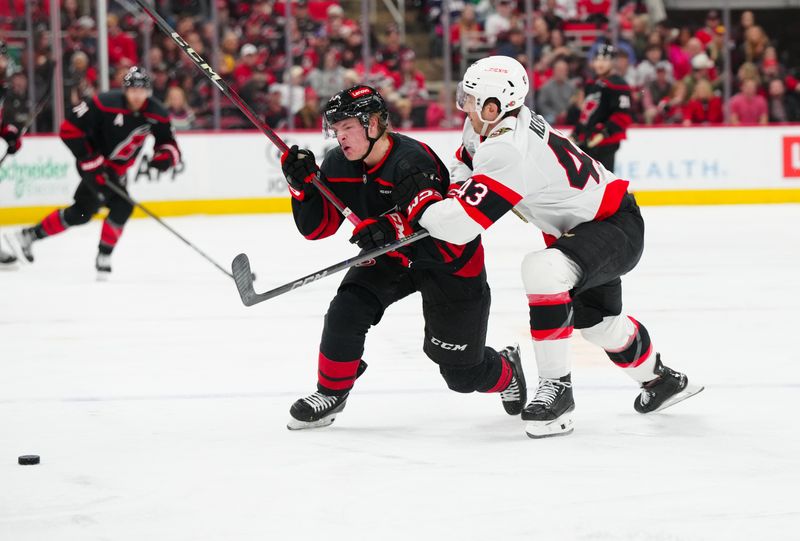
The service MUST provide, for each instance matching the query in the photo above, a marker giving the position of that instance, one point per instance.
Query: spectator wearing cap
(747, 107)
(681, 57)
(336, 26)
(305, 23)
(556, 94)
(120, 44)
(292, 89)
(706, 34)
(247, 64)
(702, 69)
(661, 96)
(515, 46)
(645, 71)
(703, 106)
(499, 20)
(330, 78)
(782, 106)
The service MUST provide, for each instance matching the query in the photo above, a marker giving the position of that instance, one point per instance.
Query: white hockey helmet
(499, 77)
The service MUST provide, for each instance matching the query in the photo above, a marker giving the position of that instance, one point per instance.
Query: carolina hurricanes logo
(128, 148)
(358, 92)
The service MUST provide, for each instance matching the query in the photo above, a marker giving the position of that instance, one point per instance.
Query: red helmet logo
(358, 92)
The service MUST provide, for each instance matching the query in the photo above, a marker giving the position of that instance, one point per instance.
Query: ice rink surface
(158, 402)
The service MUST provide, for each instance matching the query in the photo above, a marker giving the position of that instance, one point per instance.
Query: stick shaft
(123, 194)
(244, 282)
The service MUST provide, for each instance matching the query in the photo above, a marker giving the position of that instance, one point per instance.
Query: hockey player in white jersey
(511, 158)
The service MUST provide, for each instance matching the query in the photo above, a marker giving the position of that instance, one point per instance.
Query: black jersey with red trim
(606, 110)
(368, 193)
(105, 125)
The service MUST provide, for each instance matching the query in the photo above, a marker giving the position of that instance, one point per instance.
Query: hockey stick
(231, 94)
(38, 109)
(123, 194)
(242, 275)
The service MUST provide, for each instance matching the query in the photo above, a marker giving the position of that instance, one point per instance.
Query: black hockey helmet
(360, 102)
(606, 49)
(137, 78)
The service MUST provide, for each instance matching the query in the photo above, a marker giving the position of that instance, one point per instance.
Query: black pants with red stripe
(604, 251)
(89, 198)
(455, 311)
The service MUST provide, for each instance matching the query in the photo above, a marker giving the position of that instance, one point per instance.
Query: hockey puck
(28, 460)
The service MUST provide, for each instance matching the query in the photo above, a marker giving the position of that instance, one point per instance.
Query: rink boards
(232, 173)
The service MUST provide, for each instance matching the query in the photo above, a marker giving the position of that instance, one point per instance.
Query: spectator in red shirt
(703, 107)
(409, 81)
(247, 64)
(706, 34)
(747, 107)
(120, 45)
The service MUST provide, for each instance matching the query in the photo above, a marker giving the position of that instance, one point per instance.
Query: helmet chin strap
(372, 141)
(486, 124)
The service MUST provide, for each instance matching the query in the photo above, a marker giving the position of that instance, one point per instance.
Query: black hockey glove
(11, 134)
(373, 233)
(414, 192)
(93, 169)
(299, 167)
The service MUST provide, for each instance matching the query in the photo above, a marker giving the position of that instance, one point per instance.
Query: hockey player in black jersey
(106, 134)
(11, 134)
(361, 171)
(606, 112)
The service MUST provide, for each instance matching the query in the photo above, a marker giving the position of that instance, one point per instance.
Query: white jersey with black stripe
(524, 164)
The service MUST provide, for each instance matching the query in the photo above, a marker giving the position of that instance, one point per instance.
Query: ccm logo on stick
(448, 346)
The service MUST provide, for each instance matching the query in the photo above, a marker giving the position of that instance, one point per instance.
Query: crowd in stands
(676, 74)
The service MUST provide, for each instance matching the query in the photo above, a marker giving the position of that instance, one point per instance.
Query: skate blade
(103, 276)
(295, 424)
(9, 265)
(688, 392)
(16, 250)
(562, 426)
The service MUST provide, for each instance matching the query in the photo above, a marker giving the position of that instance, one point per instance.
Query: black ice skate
(315, 411)
(516, 394)
(25, 238)
(550, 411)
(7, 261)
(667, 389)
(103, 266)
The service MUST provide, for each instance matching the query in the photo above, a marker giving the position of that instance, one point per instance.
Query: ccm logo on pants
(445, 345)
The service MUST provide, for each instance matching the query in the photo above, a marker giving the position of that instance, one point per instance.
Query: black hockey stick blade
(243, 278)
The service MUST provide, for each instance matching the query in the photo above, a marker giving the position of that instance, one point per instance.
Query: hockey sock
(53, 224)
(503, 380)
(627, 343)
(336, 377)
(551, 325)
(109, 235)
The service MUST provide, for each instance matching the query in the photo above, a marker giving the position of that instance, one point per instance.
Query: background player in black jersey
(605, 115)
(106, 135)
(11, 134)
(361, 171)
